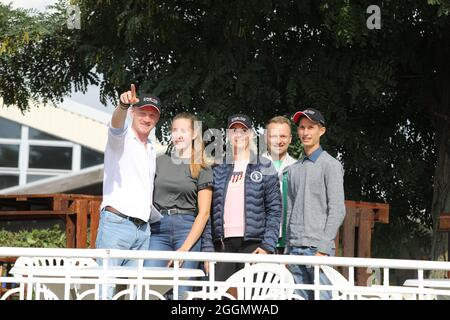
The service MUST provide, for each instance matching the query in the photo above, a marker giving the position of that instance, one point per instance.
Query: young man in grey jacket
(315, 206)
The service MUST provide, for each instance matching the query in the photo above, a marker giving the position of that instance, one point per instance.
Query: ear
(322, 130)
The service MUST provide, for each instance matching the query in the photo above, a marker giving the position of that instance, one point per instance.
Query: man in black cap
(315, 206)
(129, 172)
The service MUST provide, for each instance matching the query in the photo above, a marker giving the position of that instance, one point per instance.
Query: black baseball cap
(148, 100)
(312, 114)
(240, 118)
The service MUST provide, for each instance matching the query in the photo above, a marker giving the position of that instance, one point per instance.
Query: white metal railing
(140, 282)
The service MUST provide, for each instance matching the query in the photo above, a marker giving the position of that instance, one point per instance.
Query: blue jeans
(169, 234)
(115, 232)
(304, 274)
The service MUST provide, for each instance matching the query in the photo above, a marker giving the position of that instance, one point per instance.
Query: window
(35, 134)
(47, 155)
(9, 155)
(36, 177)
(90, 157)
(7, 180)
(50, 157)
(9, 129)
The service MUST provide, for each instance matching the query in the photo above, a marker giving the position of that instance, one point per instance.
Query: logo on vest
(256, 176)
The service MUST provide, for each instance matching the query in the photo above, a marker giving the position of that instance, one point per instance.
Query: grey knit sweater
(315, 205)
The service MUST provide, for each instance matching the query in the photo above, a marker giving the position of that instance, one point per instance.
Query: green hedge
(37, 238)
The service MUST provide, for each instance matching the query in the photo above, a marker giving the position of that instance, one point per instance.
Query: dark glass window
(50, 157)
(9, 155)
(90, 157)
(34, 134)
(7, 181)
(36, 177)
(9, 129)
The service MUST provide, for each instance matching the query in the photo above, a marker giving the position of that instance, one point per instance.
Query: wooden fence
(355, 235)
(444, 226)
(76, 210)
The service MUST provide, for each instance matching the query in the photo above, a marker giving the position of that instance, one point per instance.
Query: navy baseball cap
(312, 114)
(148, 100)
(240, 118)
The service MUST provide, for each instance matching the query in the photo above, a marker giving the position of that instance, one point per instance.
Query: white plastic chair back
(336, 279)
(259, 273)
(55, 291)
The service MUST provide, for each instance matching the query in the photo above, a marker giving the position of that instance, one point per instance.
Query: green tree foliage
(38, 58)
(385, 93)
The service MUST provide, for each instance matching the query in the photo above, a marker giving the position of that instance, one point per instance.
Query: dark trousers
(235, 245)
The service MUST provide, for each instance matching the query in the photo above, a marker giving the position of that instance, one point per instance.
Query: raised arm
(127, 99)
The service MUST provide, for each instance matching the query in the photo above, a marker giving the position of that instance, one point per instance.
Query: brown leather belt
(136, 221)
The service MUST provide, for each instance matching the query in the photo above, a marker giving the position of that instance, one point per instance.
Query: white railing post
(386, 279)
(38, 290)
(420, 286)
(30, 284)
(212, 277)
(176, 266)
(351, 280)
(67, 282)
(317, 284)
(281, 295)
(139, 285)
(105, 278)
(22, 291)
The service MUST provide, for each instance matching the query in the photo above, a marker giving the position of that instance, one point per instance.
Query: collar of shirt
(313, 156)
(137, 139)
(287, 159)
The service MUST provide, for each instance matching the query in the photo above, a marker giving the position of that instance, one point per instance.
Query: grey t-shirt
(174, 186)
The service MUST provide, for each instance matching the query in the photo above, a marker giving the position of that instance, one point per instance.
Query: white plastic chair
(53, 291)
(259, 273)
(337, 279)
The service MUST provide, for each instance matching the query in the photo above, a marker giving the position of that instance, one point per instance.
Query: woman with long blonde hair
(182, 194)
